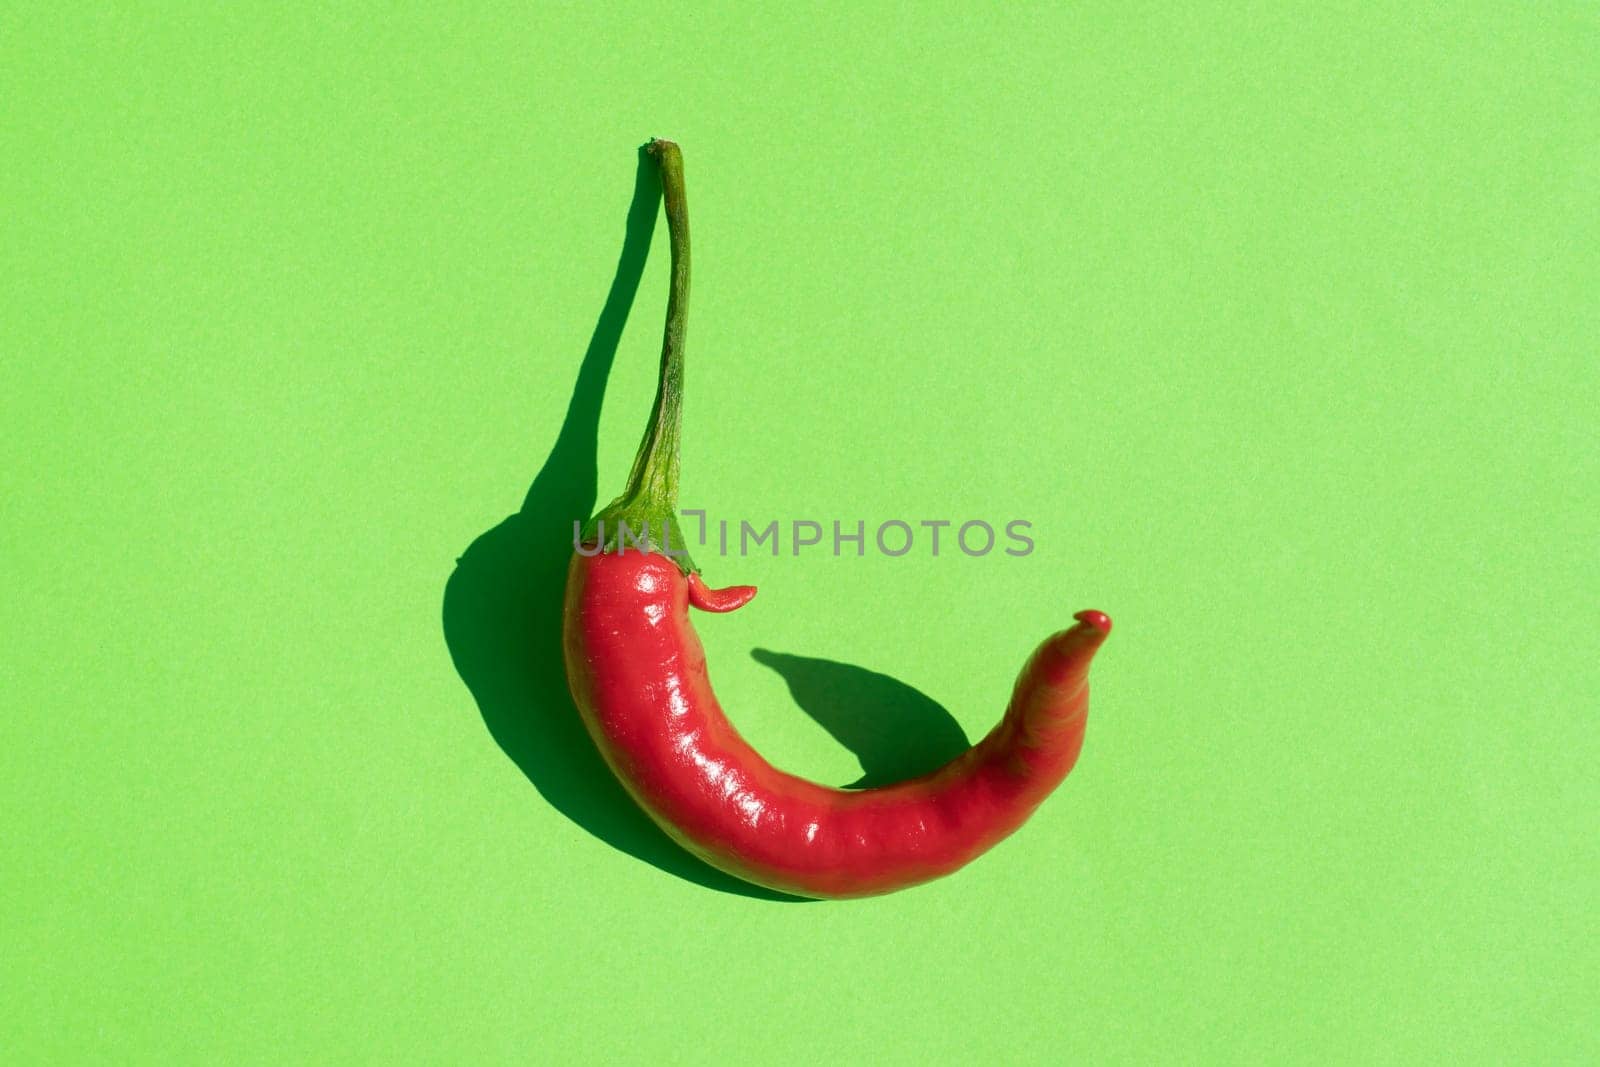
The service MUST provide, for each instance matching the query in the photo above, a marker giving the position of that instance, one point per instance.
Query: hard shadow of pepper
(502, 604)
(897, 732)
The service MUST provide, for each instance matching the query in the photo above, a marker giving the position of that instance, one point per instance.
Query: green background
(1280, 327)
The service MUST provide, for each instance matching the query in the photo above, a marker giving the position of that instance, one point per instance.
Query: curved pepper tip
(706, 598)
(1098, 619)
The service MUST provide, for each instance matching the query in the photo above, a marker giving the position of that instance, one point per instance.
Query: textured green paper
(1278, 322)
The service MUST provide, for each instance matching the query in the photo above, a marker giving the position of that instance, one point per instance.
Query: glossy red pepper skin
(638, 675)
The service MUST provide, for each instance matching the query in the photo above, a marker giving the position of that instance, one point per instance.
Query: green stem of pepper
(646, 512)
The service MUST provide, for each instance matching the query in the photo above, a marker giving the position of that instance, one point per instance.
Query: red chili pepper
(638, 675)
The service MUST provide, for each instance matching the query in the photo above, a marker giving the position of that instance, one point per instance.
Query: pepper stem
(646, 514)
